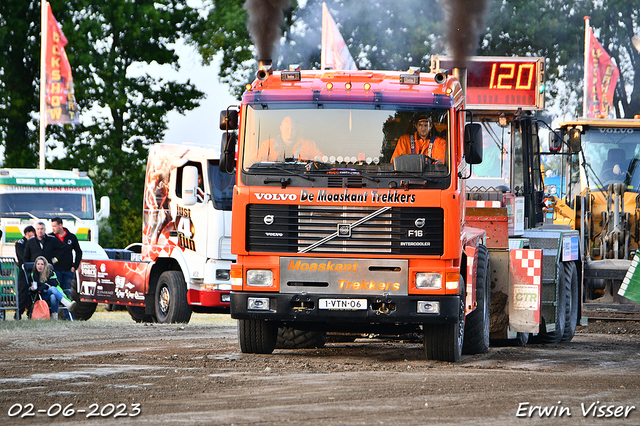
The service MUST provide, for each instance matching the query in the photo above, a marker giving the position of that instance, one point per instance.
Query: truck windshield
(612, 156)
(345, 138)
(46, 205)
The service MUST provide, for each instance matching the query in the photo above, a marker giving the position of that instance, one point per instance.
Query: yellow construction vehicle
(601, 174)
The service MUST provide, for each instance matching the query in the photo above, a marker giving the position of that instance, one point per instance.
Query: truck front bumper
(379, 309)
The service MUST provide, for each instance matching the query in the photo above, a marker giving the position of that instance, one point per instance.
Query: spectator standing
(42, 245)
(24, 301)
(67, 259)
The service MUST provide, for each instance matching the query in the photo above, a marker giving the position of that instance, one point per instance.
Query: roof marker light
(293, 74)
(413, 76)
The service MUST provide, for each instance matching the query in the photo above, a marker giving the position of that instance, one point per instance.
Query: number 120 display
(502, 83)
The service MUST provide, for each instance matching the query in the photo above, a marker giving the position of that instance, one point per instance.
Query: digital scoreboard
(501, 83)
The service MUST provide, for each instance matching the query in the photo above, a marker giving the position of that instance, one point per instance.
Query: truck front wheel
(257, 336)
(171, 299)
(443, 342)
(478, 322)
(292, 338)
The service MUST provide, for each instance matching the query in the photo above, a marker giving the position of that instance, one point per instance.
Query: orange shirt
(438, 151)
(272, 149)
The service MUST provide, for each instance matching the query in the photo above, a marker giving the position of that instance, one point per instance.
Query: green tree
(19, 75)
(110, 45)
(225, 29)
(387, 34)
(554, 29)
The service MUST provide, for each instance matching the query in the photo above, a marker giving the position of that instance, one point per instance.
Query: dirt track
(195, 374)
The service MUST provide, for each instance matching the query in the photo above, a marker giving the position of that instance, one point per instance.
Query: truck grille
(293, 228)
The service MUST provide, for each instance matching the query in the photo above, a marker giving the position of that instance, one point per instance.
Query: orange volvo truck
(350, 215)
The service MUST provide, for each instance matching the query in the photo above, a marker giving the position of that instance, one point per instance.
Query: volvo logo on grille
(344, 230)
(420, 222)
(268, 219)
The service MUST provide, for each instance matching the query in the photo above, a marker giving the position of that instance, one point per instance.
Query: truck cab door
(221, 188)
(191, 215)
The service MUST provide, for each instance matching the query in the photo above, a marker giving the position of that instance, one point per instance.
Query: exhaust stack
(461, 75)
(265, 69)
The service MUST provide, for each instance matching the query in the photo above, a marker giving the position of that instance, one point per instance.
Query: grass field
(101, 318)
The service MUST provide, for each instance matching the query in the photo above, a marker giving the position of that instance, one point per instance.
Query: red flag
(601, 79)
(60, 98)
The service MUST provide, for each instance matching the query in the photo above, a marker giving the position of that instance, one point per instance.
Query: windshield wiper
(424, 179)
(327, 172)
(65, 214)
(20, 214)
(282, 169)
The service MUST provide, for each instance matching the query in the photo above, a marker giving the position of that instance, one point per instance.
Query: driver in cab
(287, 145)
(423, 141)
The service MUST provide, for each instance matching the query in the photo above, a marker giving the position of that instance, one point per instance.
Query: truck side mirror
(555, 141)
(228, 153)
(575, 139)
(190, 185)
(229, 119)
(473, 143)
(105, 208)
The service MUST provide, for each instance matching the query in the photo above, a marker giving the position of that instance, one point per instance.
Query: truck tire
(138, 314)
(83, 310)
(554, 336)
(477, 326)
(292, 338)
(257, 336)
(572, 293)
(443, 342)
(521, 339)
(171, 299)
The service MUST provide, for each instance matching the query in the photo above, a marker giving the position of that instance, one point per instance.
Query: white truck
(182, 265)
(28, 196)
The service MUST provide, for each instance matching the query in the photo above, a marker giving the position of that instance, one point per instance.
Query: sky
(201, 125)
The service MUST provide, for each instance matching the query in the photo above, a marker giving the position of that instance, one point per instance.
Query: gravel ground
(109, 370)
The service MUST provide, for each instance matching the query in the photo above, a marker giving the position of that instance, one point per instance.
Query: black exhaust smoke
(465, 25)
(263, 23)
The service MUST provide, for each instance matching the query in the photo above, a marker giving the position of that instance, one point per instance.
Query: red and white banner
(601, 77)
(60, 101)
(335, 53)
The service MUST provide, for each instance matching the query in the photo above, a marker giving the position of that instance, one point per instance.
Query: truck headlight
(429, 280)
(260, 277)
(222, 275)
